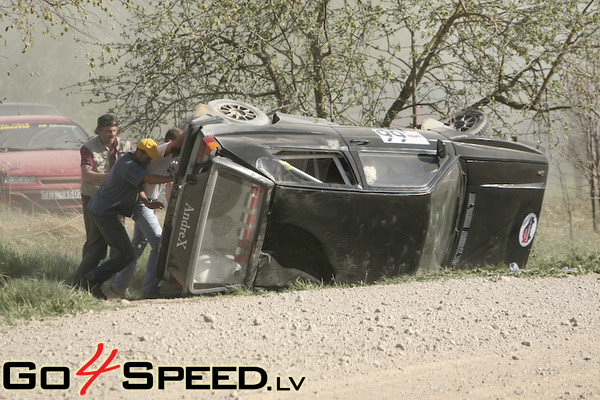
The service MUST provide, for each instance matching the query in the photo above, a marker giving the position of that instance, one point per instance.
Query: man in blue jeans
(117, 196)
(147, 228)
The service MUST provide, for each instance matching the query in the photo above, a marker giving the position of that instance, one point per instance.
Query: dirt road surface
(509, 338)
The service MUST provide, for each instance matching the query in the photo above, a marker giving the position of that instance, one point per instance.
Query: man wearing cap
(147, 228)
(117, 196)
(98, 155)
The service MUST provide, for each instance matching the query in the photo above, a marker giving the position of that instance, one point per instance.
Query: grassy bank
(40, 252)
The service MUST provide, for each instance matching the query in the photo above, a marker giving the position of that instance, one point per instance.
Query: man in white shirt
(147, 228)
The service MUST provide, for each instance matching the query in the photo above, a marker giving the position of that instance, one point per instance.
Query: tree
(292, 56)
(347, 60)
(491, 54)
(56, 18)
(581, 92)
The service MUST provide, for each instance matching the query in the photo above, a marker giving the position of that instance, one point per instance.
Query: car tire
(237, 111)
(470, 121)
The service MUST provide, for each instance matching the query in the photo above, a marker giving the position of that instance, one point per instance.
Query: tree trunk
(594, 199)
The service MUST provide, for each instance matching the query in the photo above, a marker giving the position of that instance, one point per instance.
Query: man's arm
(175, 143)
(157, 179)
(153, 205)
(87, 167)
(168, 190)
(91, 176)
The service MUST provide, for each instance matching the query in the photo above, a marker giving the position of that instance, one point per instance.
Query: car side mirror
(441, 149)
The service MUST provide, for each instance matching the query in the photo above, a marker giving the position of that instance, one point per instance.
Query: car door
(214, 229)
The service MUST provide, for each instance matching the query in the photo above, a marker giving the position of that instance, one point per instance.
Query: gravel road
(510, 338)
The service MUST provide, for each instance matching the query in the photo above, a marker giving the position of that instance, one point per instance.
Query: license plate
(61, 194)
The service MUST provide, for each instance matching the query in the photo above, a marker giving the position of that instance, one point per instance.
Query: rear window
(232, 219)
(41, 136)
(398, 170)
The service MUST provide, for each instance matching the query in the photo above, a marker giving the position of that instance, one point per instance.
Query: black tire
(470, 121)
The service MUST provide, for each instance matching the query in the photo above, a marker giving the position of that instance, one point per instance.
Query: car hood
(40, 162)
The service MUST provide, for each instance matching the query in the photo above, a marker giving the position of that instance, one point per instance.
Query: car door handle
(360, 142)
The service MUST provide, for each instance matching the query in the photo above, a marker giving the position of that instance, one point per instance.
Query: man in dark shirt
(117, 196)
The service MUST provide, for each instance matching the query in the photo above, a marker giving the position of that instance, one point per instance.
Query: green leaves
(363, 62)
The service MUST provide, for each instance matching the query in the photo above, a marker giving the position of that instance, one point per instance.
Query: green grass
(40, 252)
(44, 264)
(26, 298)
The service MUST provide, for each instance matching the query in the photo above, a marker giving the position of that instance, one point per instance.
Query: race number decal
(401, 136)
(527, 231)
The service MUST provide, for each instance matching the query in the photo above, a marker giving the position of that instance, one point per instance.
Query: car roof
(286, 130)
(290, 131)
(28, 109)
(34, 118)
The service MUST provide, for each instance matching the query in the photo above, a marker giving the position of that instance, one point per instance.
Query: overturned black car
(263, 202)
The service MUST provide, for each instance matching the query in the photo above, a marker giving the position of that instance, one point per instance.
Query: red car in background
(40, 161)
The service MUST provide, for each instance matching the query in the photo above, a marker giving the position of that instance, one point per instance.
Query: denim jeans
(112, 230)
(147, 229)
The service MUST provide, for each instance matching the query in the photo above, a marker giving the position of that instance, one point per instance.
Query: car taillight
(249, 218)
(208, 148)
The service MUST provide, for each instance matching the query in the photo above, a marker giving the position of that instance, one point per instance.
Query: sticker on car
(527, 231)
(401, 136)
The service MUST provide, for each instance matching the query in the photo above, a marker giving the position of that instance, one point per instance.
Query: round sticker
(527, 231)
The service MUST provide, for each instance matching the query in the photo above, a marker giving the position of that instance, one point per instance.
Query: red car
(40, 161)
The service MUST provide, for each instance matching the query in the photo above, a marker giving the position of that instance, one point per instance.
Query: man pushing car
(118, 196)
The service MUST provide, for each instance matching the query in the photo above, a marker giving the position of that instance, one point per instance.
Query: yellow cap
(149, 146)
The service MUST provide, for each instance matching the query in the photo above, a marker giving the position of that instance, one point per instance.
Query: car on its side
(261, 201)
(40, 161)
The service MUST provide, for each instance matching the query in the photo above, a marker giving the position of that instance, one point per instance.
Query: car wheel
(470, 121)
(237, 111)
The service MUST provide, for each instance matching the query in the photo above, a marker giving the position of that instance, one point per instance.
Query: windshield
(41, 136)
(398, 170)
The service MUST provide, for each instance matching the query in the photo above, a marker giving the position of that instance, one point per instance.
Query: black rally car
(261, 201)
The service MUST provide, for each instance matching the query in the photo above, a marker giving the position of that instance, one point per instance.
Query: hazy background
(46, 73)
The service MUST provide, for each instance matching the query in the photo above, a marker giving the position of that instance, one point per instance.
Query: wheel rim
(238, 112)
(465, 122)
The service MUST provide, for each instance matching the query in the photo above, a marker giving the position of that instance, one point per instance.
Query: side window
(317, 167)
(398, 169)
